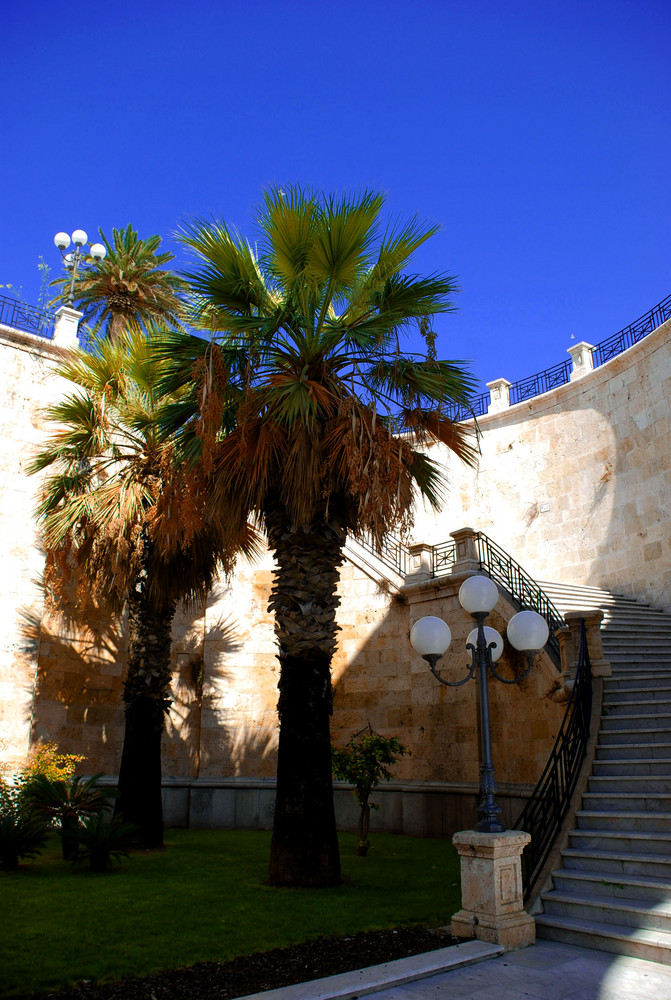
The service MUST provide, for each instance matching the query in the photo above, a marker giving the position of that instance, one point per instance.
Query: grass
(204, 899)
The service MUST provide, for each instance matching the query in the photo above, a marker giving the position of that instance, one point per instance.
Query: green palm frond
(128, 288)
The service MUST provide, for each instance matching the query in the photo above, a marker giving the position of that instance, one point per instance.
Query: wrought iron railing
(393, 552)
(544, 813)
(477, 407)
(551, 378)
(506, 572)
(608, 349)
(524, 591)
(443, 557)
(26, 318)
(560, 374)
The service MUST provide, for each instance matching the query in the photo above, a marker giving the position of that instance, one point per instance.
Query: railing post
(582, 358)
(420, 563)
(569, 642)
(499, 395)
(67, 324)
(466, 559)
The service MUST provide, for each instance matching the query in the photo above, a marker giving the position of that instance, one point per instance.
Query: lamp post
(527, 631)
(77, 258)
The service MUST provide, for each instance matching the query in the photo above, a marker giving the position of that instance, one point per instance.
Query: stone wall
(26, 365)
(576, 483)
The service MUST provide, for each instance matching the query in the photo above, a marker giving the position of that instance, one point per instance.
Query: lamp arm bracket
(432, 660)
(514, 680)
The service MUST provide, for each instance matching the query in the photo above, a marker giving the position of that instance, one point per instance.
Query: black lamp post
(77, 257)
(527, 631)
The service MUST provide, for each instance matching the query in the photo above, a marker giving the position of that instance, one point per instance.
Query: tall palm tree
(323, 418)
(124, 526)
(129, 288)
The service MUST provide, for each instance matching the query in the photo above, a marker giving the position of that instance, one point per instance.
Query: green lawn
(201, 899)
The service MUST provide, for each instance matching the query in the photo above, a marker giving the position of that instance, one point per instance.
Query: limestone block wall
(26, 366)
(379, 680)
(576, 483)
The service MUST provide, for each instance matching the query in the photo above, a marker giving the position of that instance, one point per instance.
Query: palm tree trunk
(304, 849)
(146, 696)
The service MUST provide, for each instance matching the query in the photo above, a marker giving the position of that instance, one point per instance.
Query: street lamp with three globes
(78, 257)
(527, 631)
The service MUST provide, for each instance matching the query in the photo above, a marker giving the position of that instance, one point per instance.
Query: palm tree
(128, 288)
(324, 418)
(124, 527)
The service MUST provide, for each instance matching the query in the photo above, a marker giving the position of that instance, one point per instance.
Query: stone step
(635, 720)
(626, 802)
(627, 887)
(628, 913)
(635, 662)
(652, 946)
(633, 751)
(632, 767)
(642, 684)
(636, 644)
(638, 784)
(616, 863)
(621, 841)
(634, 820)
(642, 705)
(620, 737)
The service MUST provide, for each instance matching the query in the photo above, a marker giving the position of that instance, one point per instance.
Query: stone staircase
(613, 890)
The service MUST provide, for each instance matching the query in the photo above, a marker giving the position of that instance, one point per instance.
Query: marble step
(611, 819)
(627, 801)
(625, 913)
(653, 946)
(641, 705)
(641, 684)
(638, 784)
(616, 863)
(621, 841)
(623, 737)
(610, 752)
(632, 767)
(640, 888)
(636, 720)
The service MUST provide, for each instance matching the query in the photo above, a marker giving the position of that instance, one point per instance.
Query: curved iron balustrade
(524, 592)
(26, 318)
(560, 374)
(544, 813)
(505, 571)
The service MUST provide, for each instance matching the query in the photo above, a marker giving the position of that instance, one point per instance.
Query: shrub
(22, 834)
(67, 801)
(103, 840)
(364, 762)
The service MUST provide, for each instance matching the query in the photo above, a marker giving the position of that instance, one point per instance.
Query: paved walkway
(545, 971)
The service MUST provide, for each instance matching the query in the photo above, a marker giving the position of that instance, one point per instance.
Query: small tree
(364, 762)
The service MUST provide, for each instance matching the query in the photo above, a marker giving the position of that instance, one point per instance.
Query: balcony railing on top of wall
(41, 322)
(28, 319)
(560, 374)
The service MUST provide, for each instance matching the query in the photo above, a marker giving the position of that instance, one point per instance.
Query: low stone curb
(360, 983)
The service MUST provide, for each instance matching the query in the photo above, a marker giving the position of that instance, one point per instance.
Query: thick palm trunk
(304, 850)
(146, 696)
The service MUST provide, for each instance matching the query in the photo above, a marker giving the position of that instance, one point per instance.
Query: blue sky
(536, 135)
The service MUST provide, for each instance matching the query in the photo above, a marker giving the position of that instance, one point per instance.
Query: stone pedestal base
(491, 889)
